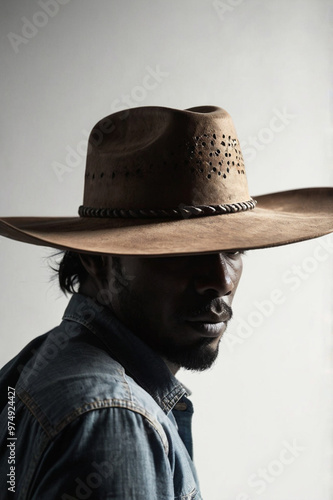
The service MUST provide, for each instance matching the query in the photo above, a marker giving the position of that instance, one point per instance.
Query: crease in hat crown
(155, 158)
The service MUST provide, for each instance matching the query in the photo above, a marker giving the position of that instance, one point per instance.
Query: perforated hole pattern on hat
(208, 155)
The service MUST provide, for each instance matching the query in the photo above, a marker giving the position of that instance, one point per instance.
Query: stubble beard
(197, 356)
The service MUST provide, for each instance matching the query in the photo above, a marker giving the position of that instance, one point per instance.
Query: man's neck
(90, 291)
(173, 367)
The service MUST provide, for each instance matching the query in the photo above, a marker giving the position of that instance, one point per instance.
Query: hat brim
(278, 219)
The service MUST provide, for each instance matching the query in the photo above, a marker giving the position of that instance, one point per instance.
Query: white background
(271, 387)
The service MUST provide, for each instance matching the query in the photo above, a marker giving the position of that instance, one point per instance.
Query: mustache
(215, 306)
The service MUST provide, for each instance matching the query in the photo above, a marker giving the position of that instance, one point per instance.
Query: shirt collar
(145, 366)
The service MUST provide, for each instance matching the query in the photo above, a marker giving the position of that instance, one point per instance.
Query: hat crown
(160, 158)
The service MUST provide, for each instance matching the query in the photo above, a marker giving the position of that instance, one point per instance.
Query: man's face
(180, 306)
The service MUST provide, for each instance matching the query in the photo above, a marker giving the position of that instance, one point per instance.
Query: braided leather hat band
(182, 212)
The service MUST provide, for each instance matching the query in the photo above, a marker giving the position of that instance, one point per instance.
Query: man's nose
(213, 276)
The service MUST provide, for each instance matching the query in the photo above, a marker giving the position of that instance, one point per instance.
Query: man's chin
(198, 357)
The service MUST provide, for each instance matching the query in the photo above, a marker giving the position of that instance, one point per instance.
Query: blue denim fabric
(98, 415)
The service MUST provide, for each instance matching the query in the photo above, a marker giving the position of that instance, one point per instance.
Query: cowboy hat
(163, 181)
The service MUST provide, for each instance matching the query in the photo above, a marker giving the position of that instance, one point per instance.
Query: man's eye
(235, 253)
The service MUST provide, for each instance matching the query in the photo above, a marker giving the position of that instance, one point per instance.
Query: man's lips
(207, 329)
(211, 319)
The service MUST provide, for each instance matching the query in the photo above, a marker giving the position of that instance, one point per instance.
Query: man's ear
(95, 265)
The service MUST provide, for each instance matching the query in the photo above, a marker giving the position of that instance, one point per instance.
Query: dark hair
(70, 271)
(71, 274)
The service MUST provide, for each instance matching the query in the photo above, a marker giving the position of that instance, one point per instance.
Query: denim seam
(98, 404)
(189, 496)
(35, 411)
(173, 397)
(115, 403)
(128, 386)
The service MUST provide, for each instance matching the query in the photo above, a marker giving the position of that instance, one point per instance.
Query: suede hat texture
(162, 181)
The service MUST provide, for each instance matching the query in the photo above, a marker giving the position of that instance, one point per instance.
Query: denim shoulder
(66, 373)
(74, 400)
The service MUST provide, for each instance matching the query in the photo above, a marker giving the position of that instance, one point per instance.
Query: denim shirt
(97, 415)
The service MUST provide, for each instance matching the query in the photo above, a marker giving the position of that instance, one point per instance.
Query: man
(156, 258)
